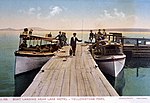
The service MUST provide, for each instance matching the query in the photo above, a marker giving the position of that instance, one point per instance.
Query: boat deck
(65, 75)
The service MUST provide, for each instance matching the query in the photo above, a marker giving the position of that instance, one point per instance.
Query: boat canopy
(35, 37)
(37, 43)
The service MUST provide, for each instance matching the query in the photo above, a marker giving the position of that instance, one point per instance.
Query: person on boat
(59, 37)
(25, 32)
(99, 34)
(50, 35)
(104, 34)
(64, 38)
(23, 45)
(73, 42)
(30, 32)
(91, 36)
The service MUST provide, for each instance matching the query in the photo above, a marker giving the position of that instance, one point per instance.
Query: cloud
(55, 10)
(118, 14)
(31, 11)
(21, 11)
(115, 18)
(39, 14)
(113, 14)
(38, 8)
(107, 14)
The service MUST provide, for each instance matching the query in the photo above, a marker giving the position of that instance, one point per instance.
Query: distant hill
(107, 29)
(34, 28)
(8, 29)
(130, 29)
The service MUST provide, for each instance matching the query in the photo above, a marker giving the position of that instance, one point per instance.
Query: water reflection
(117, 82)
(135, 73)
(137, 76)
(138, 62)
(22, 81)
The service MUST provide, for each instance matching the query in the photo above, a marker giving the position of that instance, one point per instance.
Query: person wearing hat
(30, 32)
(25, 32)
(73, 42)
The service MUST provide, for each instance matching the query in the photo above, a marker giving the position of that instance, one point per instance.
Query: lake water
(133, 81)
(8, 43)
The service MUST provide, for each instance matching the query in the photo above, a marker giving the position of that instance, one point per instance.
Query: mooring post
(137, 72)
(137, 42)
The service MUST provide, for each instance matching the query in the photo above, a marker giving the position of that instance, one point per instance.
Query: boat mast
(82, 35)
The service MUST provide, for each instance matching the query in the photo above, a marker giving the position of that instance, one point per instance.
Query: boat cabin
(112, 49)
(37, 43)
(111, 46)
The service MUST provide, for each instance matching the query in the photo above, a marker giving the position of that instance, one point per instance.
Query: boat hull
(27, 63)
(112, 64)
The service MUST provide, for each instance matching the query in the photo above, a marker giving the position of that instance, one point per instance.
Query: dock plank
(73, 79)
(65, 75)
(54, 80)
(46, 76)
(58, 87)
(46, 84)
(87, 84)
(81, 86)
(66, 81)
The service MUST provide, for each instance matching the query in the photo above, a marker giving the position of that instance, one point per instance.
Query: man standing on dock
(73, 41)
(91, 36)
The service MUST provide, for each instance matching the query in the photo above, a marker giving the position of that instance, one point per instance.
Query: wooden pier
(136, 47)
(132, 47)
(65, 75)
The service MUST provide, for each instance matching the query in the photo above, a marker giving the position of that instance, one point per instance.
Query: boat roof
(37, 37)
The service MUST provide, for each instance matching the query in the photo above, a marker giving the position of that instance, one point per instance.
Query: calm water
(133, 81)
(8, 43)
(137, 77)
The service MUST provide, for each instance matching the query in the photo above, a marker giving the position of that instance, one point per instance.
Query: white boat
(33, 52)
(110, 58)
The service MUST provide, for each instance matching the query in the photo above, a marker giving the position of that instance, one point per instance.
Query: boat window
(110, 47)
(113, 50)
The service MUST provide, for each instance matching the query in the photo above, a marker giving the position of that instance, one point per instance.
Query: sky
(75, 14)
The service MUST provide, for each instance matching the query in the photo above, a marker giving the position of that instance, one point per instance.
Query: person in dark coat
(91, 36)
(59, 37)
(73, 42)
(30, 32)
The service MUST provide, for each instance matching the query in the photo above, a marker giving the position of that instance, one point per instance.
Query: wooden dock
(136, 47)
(65, 75)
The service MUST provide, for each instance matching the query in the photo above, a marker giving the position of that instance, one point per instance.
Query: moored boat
(111, 60)
(33, 52)
(109, 56)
